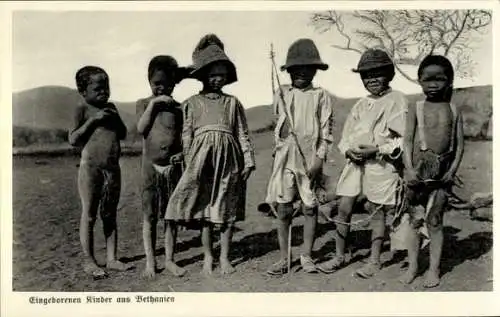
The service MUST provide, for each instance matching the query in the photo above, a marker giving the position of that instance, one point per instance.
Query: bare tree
(408, 35)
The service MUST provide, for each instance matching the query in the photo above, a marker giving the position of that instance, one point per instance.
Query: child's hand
(315, 169)
(176, 158)
(366, 152)
(411, 177)
(102, 114)
(354, 157)
(161, 98)
(245, 174)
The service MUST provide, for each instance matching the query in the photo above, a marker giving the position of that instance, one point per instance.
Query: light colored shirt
(376, 121)
(311, 113)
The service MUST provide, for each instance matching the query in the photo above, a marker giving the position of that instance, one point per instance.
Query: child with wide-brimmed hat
(218, 153)
(302, 137)
(371, 142)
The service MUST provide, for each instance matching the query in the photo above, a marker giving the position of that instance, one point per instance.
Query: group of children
(197, 157)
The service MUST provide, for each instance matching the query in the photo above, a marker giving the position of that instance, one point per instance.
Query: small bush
(269, 127)
(23, 136)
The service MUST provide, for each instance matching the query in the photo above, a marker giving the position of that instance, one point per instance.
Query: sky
(49, 47)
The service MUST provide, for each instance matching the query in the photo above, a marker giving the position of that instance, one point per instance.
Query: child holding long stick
(302, 136)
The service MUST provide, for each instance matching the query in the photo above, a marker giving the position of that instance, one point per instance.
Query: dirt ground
(46, 250)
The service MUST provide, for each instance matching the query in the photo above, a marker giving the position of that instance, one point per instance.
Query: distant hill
(475, 103)
(50, 108)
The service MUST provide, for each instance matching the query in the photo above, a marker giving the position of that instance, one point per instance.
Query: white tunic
(311, 114)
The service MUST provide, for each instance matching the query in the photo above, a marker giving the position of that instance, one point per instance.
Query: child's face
(216, 77)
(376, 82)
(97, 91)
(302, 76)
(162, 83)
(434, 82)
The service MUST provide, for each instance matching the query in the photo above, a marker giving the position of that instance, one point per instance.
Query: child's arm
(187, 128)
(243, 136)
(408, 142)
(118, 124)
(326, 126)
(459, 152)
(82, 128)
(178, 157)
(396, 123)
(276, 111)
(143, 113)
(345, 145)
(147, 114)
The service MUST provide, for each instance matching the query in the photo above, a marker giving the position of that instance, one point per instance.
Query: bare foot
(149, 272)
(94, 270)
(431, 279)
(408, 277)
(226, 268)
(119, 266)
(208, 265)
(174, 268)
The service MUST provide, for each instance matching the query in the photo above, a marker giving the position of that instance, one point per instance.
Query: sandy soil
(46, 250)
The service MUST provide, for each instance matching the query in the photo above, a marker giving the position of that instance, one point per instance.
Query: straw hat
(210, 49)
(373, 58)
(303, 52)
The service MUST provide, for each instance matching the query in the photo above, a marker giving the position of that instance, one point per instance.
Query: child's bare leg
(413, 247)
(108, 215)
(435, 225)
(170, 240)
(149, 239)
(149, 225)
(285, 212)
(310, 220)
(206, 240)
(225, 241)
(89, 187)
(345, 210)
(346, 205)
(378, 231)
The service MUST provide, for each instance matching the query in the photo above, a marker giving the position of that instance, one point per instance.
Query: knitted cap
(373, 58)
(210, 49)
(303, 52)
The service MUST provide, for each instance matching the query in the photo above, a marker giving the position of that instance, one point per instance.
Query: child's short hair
(83, 76)
(164, 63)
(437, 60)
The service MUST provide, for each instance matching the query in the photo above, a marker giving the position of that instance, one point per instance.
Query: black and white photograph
(218, 149)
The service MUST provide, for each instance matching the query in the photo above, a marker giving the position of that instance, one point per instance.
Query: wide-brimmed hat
(209, 50)
(303, 52)
(373, 58)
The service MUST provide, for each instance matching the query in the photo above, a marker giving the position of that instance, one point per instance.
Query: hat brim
(194, 71)
(320, 66)
(183, 73)
(365, 69)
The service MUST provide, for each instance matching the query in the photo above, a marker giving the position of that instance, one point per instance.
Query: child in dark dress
(218, 153)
